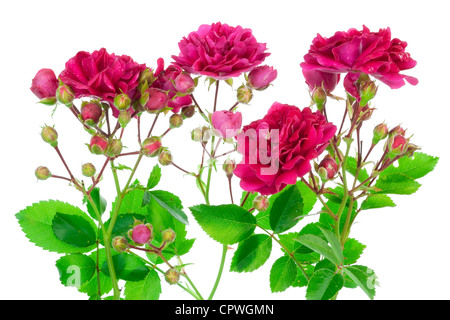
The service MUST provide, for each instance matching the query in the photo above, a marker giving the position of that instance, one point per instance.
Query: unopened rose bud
(114, 147)
(98, 144)
(124, 118)
(145, 76)
(176, 120)
(319, 97)
(44, 84)
(141, 233)
(396, 146)
(184, 83)
(151, 146)
(380, 132)
(226, 123)
(261, 77)
(157, 100)
(368, 90)
(88, 170)
(50, 135)
(168, 235)
(410, 149)
(91, 113)
(42, 173)
(327, 168)
(120, 244)
(244, 94)
(165, 157)
(65, 95)
(172, 276)
(188, 112)
(261, 203)
(122, 101)
(397, 130)
(228, 166)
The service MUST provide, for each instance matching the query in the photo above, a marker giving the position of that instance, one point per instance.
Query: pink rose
(355, 52)
(44, 84)
(226, 123)
(261, 77)
(220, 51)
(103, 75)
(278, 148)
(165, 81)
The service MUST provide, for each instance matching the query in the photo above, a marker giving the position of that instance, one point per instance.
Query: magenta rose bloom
(278, 148)
(355, 52)
(165, 82)
(102, 75)
(226, 123)
(44, 84)
(220, 51)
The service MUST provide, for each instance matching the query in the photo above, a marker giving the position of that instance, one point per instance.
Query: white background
(407, 246)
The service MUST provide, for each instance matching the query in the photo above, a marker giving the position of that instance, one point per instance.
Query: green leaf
(324, 284)
(227, 224)
(91, 287)
(308, 196)
(396, 183)
(364, 277)
(252, 253)
(128, 267)
(36, 223)
(286, 209)
(75, 269)
(170, 202)
(414, 167)
(99, 202)
(147, 289)
(73, 230)
(352, 251)
(301, 280)
(319, 245)
(376, 201)
(335, 244)
(155, 177)
(282, 274)
(248, 204)
(122, 167)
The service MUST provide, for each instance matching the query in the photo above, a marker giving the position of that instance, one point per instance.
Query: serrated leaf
(301, 280)
(73, 230)
(36, 223)
(251, 253)
(308, 196)
(376, 201)
(364, 277)
(155, 177)
(227, 224)
(127, 267)
(286, 209)
(396, 183)
(146, 289)
(335, 244)
(91, 287)
(319, 245)
(282, 274)
(99, 202)
(414, 167)
(75, 269)
(169, 202)
(352, 251)
(324, 284)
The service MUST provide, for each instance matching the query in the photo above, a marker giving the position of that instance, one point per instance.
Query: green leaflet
(73, 230)
(128, 267)
(251, 253)
(75, 269)
(282, 274)
(146, 289)
(286, 210)
(324, 284)
(364, 277)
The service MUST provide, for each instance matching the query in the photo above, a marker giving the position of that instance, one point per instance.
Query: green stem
(344, 182)
(219, 275)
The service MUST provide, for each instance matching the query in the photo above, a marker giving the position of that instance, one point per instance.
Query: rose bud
(396, 146)
(397, 130)
(201, 134)
(157, 100)
(114, 148)
(165, 157)
(410, 149)
(261, 77)
(175, 120)
(44, 84)
(145, 76)
(228, 166)
(122, 101)
(327, 168)
(172, 276)
(151, 147)
(65, 95)
(88, 170)
(380, 132)
(168, 235)
(120, 244)
(244, 94)
(50, 136)
(124, 118)
(141, 233)
(368, 90)
(98, 144)
(319, 97)
(42, 173)
(188, 112)
(91, 113)
(261, 203)
(226, 123)
(184, 83)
